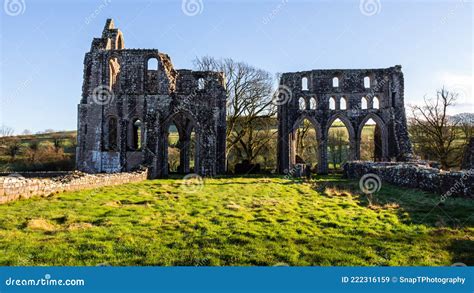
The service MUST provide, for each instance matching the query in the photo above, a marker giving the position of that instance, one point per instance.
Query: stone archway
(185, 124)
(293, 140)
(380, 137)
(346, 89)
(350, 129)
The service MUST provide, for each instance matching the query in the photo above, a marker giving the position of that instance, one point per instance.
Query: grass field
(238, 221)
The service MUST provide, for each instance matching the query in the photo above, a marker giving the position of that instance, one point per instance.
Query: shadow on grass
(463, 251)
(422, 207)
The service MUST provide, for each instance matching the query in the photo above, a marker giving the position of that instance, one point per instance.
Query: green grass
(237, 221)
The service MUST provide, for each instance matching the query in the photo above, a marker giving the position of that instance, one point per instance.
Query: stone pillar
(468, 157)
(378, 144)
(356, 150)
(352, 149)
(207, 153)
(162, 154)
(293, 149)
(184, 151)
(323, 155)
(283, 148)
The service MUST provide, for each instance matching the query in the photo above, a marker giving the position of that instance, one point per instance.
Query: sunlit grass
(237, 221)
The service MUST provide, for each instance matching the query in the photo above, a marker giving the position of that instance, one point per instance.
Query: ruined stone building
(353, 97)
(468, 156)
(130, 97)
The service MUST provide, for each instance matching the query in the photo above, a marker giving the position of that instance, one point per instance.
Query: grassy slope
(237, 221)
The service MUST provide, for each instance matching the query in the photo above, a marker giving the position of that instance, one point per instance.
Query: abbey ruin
(127, 108)
(130, 98)
(353, 97)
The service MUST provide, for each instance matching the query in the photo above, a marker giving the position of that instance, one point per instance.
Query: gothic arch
(293, 140)
(313, 121)
(384, 132)
(185, 124)
(113, 68)
(344, 120)
(350, 129)
(119, 45)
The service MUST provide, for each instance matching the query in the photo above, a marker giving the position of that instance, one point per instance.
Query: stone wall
(15, 186)
(130, 99)
(417, 175)
(468, 157)
(353, 96)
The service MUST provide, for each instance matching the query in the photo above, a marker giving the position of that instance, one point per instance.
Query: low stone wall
(39, 174)
(15, 186)
(417, 175)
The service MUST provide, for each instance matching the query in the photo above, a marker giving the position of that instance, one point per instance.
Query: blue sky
(42, 48)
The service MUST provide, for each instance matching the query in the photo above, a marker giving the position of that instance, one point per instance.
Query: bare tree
(13, 148)
(433, 128)
(466, 124)
(58, 142)
(33, 148)
(249, 92)
(256, 138)
(6, 131)
(306, 142)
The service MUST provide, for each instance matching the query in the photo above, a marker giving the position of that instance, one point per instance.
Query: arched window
(375, 103)
(367, 82)
(120, 45)
(201, 83)
(152, 64)
(335, 81)
(112, 134)
(304, 83)
(343, 103)
(363, 103)
(312, 103)
(137, 134)
(301, 104)
(332, 103)
(114, 70)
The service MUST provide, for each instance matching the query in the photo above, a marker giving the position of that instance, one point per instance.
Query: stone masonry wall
(468, 157)
(416, 175)
(17, 187)
(130, 99)
(353, 96)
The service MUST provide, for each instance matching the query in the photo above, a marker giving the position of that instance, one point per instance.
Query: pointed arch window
(363, 103)
(312, 103)
(301, 104)
(343, 103)
(137, 134)
(375, 103)
(332, 103)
